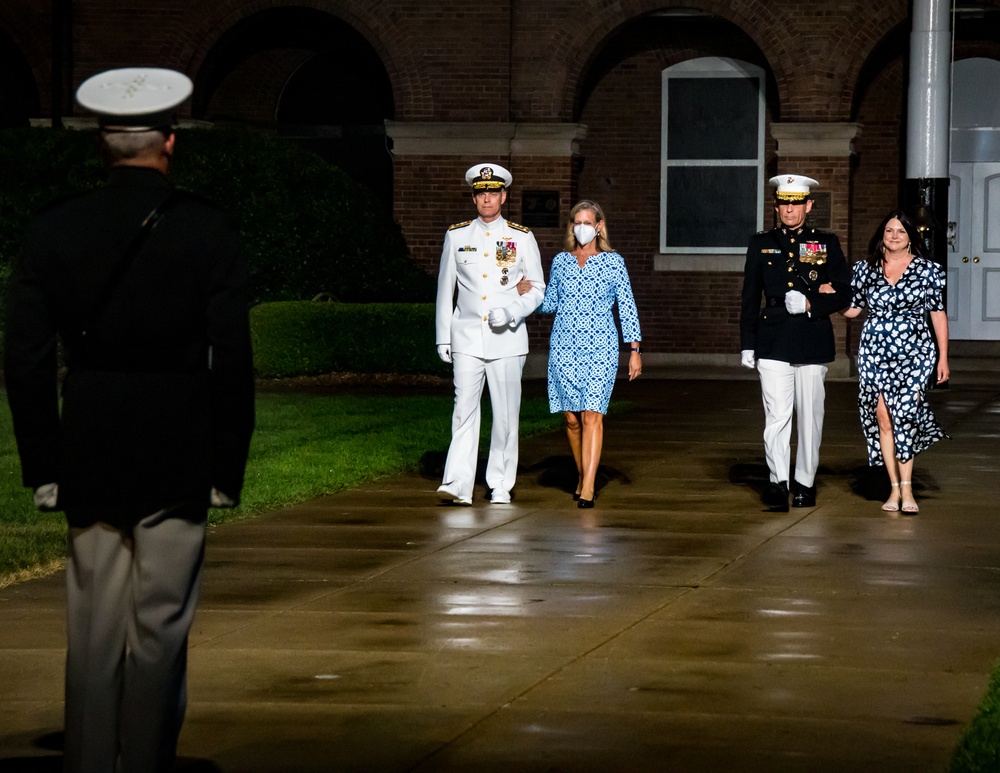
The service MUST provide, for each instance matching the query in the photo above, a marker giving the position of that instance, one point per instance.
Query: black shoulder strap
(128, 258)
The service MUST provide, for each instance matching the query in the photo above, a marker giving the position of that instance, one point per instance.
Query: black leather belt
(779, 301)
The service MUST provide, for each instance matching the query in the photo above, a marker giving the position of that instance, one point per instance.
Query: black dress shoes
(805, 496)
(775, 496)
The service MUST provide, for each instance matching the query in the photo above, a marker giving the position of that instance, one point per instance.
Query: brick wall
(557, 61)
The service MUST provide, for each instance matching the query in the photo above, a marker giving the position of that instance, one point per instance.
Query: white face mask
(584, 233)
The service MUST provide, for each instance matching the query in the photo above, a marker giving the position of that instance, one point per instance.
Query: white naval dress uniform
(484, 262)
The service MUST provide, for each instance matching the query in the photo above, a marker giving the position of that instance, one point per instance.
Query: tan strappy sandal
(893, 507)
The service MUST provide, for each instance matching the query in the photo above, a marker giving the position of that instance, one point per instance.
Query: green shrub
(308, 338)
(979, 749)
(306, 227)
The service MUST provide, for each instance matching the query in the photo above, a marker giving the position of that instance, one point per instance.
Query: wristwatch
(637, 349)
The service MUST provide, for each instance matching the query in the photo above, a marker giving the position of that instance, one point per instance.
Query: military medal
(812, 252)
(814, 275)
(504, 279)
(506, 253)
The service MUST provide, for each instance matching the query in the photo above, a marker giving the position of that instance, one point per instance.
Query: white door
(974, 252)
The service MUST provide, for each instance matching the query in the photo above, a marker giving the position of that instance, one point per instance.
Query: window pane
(712, 118)
(712, 206)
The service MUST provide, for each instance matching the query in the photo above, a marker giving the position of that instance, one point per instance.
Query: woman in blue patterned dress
(584, 283)
(899, 287)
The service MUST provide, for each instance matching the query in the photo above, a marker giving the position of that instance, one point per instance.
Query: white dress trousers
(786, 389)
(131, 598)
(503, 377)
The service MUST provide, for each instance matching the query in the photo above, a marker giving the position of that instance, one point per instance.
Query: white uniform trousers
(785, 388)
(130, 603)
(503, 376)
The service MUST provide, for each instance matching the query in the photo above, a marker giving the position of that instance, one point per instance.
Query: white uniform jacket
(485, 261)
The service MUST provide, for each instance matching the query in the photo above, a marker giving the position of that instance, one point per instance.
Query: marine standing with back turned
(803, 277)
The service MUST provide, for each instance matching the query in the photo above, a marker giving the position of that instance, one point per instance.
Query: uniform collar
(493, 225)
(125, 174)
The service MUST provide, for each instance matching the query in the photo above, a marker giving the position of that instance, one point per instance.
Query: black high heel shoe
(576, 497)
(584, 503)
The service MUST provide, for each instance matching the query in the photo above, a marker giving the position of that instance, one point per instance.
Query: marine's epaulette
(459, 225)
(519, 227)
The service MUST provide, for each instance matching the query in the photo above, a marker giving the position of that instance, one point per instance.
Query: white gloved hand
(46, 496)
(500, 317)
(747, 360)
(795, 302)
(444, 352)
(218, 499)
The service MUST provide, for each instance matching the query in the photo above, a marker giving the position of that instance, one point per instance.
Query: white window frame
(708, 67)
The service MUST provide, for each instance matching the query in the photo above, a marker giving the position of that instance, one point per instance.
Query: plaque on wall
(540, 209)
(819, 216)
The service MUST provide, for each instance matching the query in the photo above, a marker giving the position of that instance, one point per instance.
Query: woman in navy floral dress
(899, 288)
(584, 283)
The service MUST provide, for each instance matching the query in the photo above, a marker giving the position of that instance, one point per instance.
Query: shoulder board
(459, 225)
(519, 227)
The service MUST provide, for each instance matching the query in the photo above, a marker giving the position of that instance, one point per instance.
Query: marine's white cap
(792, 187)
(135, 99)
(488, 177)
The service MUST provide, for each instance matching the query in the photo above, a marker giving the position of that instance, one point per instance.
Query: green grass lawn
(979, 749)
(304, 446)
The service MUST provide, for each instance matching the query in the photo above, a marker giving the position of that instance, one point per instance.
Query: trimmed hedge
(306, 338)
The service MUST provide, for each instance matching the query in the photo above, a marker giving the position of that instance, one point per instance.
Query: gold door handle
(965, 259)
(975, 260)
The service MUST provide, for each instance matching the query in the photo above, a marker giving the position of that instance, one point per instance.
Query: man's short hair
(127, 146)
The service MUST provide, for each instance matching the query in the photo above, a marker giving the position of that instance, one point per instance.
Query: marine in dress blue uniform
(480, 330)
(155, 421)
(795, 277)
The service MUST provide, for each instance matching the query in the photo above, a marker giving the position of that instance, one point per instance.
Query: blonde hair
(569, 241)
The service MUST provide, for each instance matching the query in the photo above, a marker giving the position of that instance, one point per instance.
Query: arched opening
(314, 78)
(18, 93)
(635, 99)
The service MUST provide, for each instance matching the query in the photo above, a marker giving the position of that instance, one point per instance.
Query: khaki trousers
(131, 597)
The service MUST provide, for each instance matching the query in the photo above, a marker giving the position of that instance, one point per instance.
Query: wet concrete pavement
(677, 626)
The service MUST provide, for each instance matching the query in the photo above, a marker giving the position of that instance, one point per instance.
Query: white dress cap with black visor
(488, 177)
(135, 99)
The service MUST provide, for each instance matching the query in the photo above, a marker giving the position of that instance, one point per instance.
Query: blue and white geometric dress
(583, 347)
(897, 354)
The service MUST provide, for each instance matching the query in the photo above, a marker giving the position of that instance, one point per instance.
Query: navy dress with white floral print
(897, 354)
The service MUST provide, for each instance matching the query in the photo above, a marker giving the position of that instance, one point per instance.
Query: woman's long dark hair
(876, 247)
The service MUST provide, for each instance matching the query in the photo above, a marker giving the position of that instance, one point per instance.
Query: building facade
(672, 114)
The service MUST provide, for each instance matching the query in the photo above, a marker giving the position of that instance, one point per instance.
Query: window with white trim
(711, 156)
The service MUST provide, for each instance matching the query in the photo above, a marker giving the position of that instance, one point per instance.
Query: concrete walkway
(677, 626)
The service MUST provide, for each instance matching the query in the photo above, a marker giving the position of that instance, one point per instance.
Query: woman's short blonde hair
(569, 241)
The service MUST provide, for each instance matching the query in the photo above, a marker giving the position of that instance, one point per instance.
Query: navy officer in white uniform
(480, 330)
(803, 277)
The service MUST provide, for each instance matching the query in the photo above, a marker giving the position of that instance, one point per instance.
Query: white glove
(218, 499)
(46, 496)
(747, 359)
(500, 317)
(444, 352)
(795, 302)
